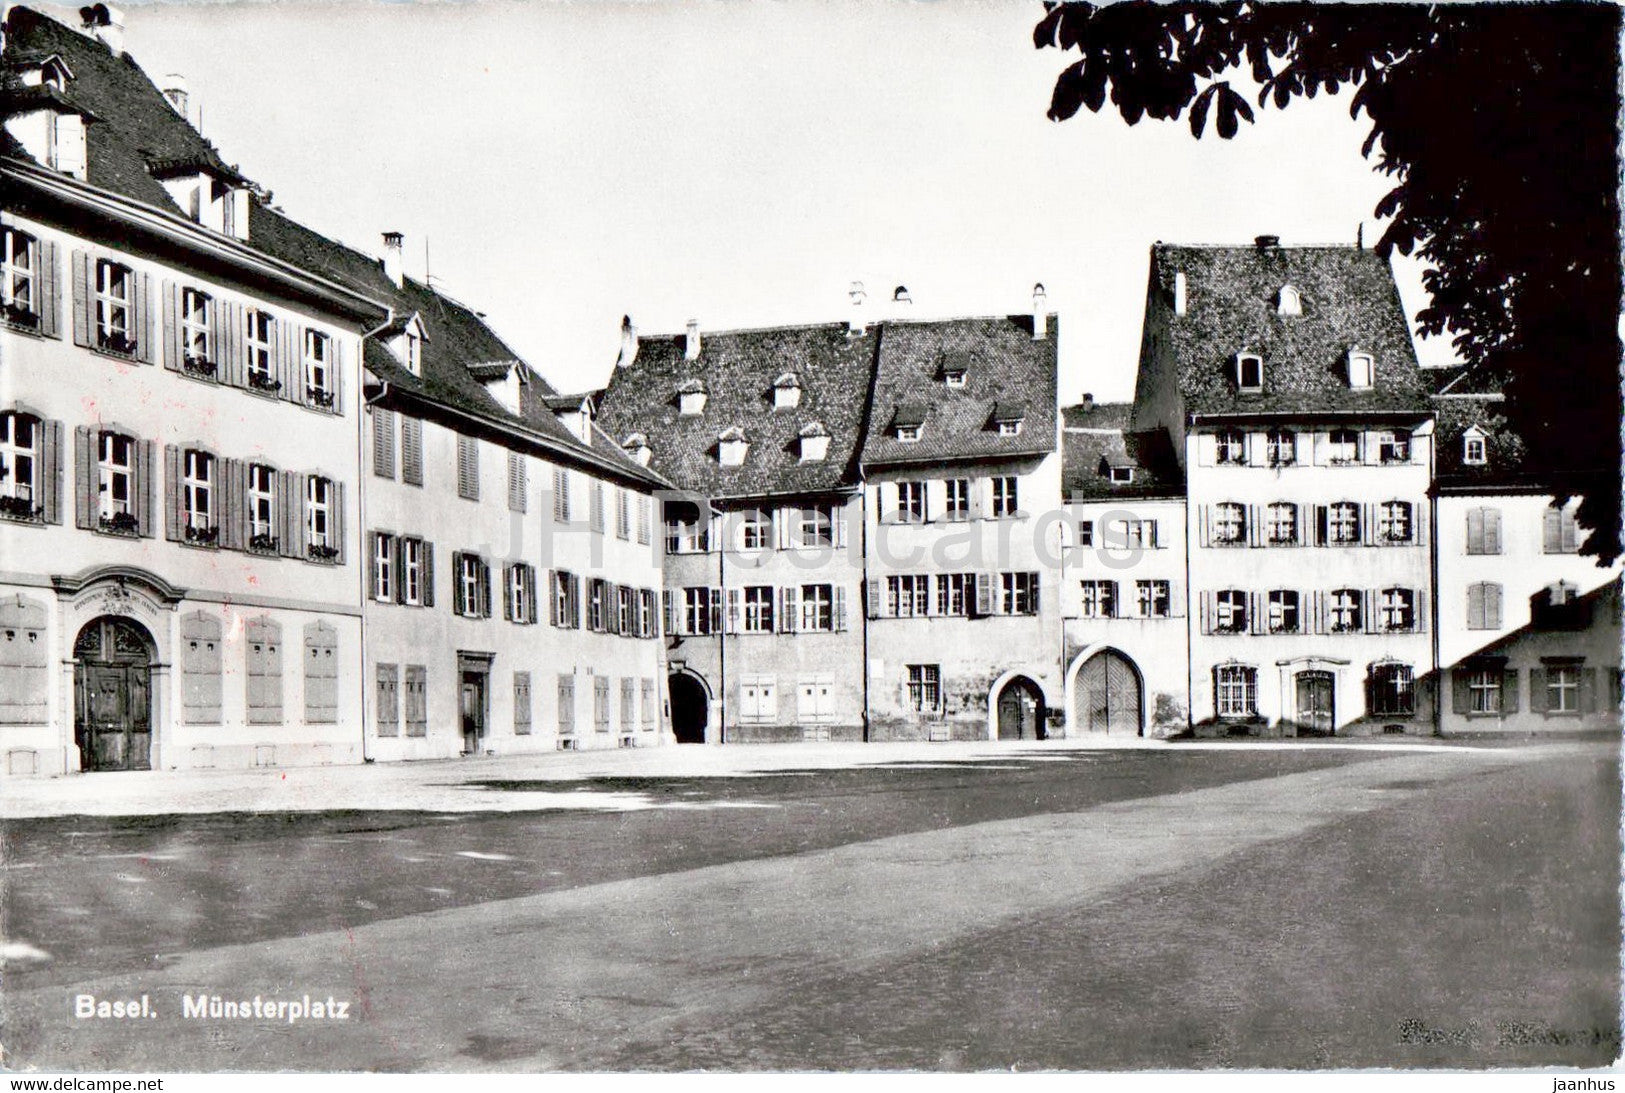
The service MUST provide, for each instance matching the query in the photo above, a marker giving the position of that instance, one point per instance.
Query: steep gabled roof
(1088, 455)
(1349, 301)
(1097, 415)
(1004, 364)
(1505, 451)
(738, 369)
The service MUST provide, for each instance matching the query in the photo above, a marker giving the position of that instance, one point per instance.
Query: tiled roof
(1097, 415)
(1003, 363)
(1087, 456)
(1349, 301)
(1504, 449)
(738, 369)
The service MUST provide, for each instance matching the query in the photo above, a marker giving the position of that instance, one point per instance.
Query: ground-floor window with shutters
(629, 704)
(1485, 690)
(1392, 690)
(201, 668)
(30, 455)
(1563, 688)
(600, 703)
(521, 703)
(321, 673)
(25, 663)
(758, 699)
(415, 690)
(815, 699)
(567, 704)
(647, 707)
(817, 607)
(1235, 690)
(388, 702)
(263, 651)
(1484, 606)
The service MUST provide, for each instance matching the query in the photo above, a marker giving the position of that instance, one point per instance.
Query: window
(116, 482)
(953, 377)
(817, 607)
(645, 511)
(20, 464)
(518, 483)
(1099, 599)
(468, 468)
(1019, 593)
(197, 496)
(413, 577)
(1249, 372)
(561, 496)
(909, 596)
(1231, 447)
(1229, 524)
(1394, 522)
(415, 686)
(387, 708)
(1474, 450)
(521, 704)
(647, 709)
(816, 526)
(1153, 599)
(259, 340)
(925, 688)
(471, 595)
(911, 502)
(201, 669)
(1284, 612)
(321, 674)
(1010, 428)
(1360, 369)
(759, 609)
(1343, 446)
(1343, 524)
(1288, 302)
(319, 369)
(1392, 692)
(687, 529)
(115, 289)
(567, 704)
(1484, 606)
(1562, 688)
(18, 293)
(319, 517)
(595, 507)
(1230, 611)
(598, 605)
(197, 333)
(1558, 607)
(383, 567)
(1343, 611)
(1281, 447)
(1283, 524)
(520, 605)
(755, 529)
(1235, 690)
(414, 353)
(1484, 690)
(1560, 533)
(1484, 531)
(786, 392)
(647, 626)
(1004, 496)
(261, 507)
(1397, 610)
(1122, 476)
(626, 611)
(908, 434)
(815, 700)
(696, 618)
(956, 593)
(623, 515)
(263, 650)
(566, 600)
(758, 699)
(1086, 533)
(1134, 534)
(1394, 446)
(600, 703)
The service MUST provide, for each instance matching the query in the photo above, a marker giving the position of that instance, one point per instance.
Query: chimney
(393, 269)
(175, 90)
(629, 343)
(900, 295)
(691, 341)
(855, 325)
(1088, 400)
(1267, 242)
(1179, 293)
(106, 24)
(1040, 312)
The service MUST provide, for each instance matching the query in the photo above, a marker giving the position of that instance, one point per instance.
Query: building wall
(975, 655)
(1515, 643)
(433, 638)
(1157, 647)
(158, 581)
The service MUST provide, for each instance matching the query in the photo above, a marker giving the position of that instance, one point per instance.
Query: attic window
(1288, 302)
(1010, 428)
(1249, 372)
(637, 448)
(1474, 448)
(1359, 369)
(1122, 475)
(691, 398)
(814, 442)
(908, 434)
(414, 353)
(953, 377)
(786, 392)
(732, 446)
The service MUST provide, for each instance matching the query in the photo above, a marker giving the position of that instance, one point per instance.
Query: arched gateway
(112, 682)
(690, 707)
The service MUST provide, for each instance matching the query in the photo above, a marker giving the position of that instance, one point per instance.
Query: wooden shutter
(1369, 602)
(336, 521)
(231, 499)
(789, 609)
(838, 605)
(335, 369)
(1552, 540)
(428, 574)
(1477, 608)
(1476, 531)
(1176, 599)
(290, 368)
(1368, 523)
(146, 456)
(1492, 606)
(837, 526)
(459, 603)
(1509, 691)
(83, 299)
(669, 604)
(713, 606)
(468, 468)
(532, 610)
(174, 496)
(1492, 531)
(1206, 606)
(412, 450)
(1256, 621)
(48, 254)
(290, 515)
(484, 572)
(731, 620)
(372, 566)
(1537, 690)
(84, 458)
(50, 471)
(875, 603)
(1461, 694)
(985, 594)
(1317, 602)
(1255, 525)
(507, 593)
(172, 326)
(383, 442)
(1421, 517)
(1204, 524)
(1322, 525)
(1419, 610)
(1588, 690)
(146, 338)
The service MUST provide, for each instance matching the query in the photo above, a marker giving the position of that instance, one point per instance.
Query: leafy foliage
(1499, 125)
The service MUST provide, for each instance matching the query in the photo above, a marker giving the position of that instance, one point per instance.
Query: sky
(556, 164)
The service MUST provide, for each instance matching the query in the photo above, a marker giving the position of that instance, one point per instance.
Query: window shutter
(1461, 695)
(1369, 602)
(1492, 531)
(485, 587)
(458, 601)
(732, 621)
(1321, 520)
(1176, 599)
(49, 323)
(50, 471)
(289, 506)
(398, 561)
(84, 476)
(228, 491)
(572, 606)
(670, 611)
(1318, 601)
(1588, 690)
(289, 362)
(412, 451)
(530, 594)
(1421, 517)
(1571, 532)
(1368, 523)
(1207, 611)
(172, 326)
(1476, 531)
(1477, 608)
(228, 341)
(1492, 606)
(837, 530)
(372, 566)
(83, 305)
(1419, 616)
(838, 594)
(789, 609)
(468, 468)
(1509, 691)
(383, 442)
(428, 574)
(1255, 612)
(1255, 526)
(174, 496)
(984, 594)
(507, 593)
(1204, 524)
(713, 604)
(145, 459)
(1553, 531)
(336, 521)
(146, 339)
(872, 595)
(335, 370)
(516, 481)
(1537, 690)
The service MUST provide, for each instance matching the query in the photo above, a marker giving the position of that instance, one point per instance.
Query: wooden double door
(1107, 695)
(113, 709)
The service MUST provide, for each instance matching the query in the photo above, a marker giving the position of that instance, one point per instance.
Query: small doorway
(1316, 715)
(112, 676)
(1021, 710)
(690, 708)
(1107, 696)
(474, 703)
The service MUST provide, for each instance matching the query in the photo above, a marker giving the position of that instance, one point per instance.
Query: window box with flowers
(201, 367)
(111, 341)
(202, 536)
(120, 523)
(262, 544)
(264, 381)
(20, 315)
(21, 509)
(317, 552)
(320, 399)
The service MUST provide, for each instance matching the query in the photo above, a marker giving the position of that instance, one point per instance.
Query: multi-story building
(1528, 629)
(179, 406)
(1124, 642)
(1288, 384)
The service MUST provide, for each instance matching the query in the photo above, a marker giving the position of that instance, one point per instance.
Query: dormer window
(1007, 418)
(732, 446)
(1249, 372)
(691, 398)
(1475, 447)
(814, 442)
(1288, 302)
(1122, 476)
(908, 434)
(786, 392)
(414, 353)
(637, 448)
(908, 423)
(1360, 369)
(954, 369)
(953, 377)
(1010, 428)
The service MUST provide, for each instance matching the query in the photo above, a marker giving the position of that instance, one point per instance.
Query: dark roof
(1505, 451)
(1458, 380)
(1097, 415)
(1349, 301)
(738, 369)
(1087, 456)
(1004, 364)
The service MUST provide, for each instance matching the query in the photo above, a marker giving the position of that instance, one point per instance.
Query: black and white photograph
(655, 537)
